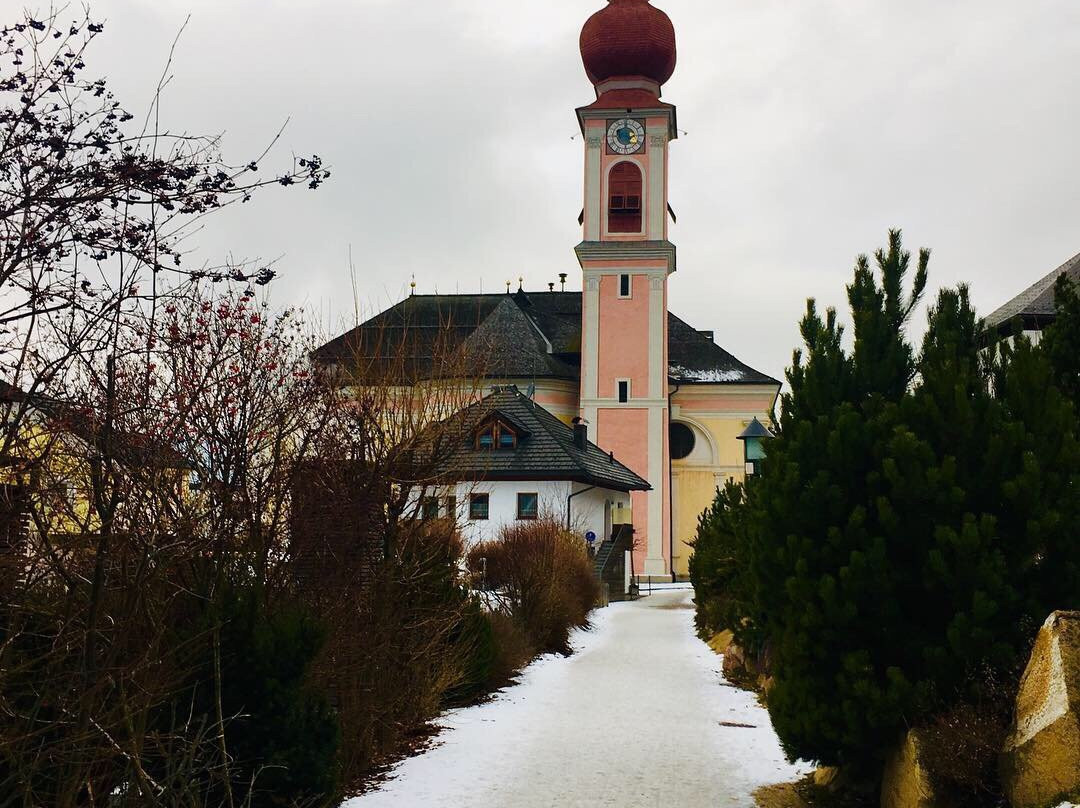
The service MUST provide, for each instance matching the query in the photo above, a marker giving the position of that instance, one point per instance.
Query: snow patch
(640, 715)
(679, 372)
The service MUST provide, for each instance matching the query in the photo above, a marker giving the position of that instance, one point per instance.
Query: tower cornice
(659, 251)
(609, 107)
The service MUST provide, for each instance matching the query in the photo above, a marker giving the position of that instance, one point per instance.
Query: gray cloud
(812, 127)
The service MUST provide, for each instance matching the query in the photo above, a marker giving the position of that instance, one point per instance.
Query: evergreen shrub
(914, 523)
(246, 706)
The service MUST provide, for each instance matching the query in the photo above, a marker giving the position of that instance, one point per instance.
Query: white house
(514, 461)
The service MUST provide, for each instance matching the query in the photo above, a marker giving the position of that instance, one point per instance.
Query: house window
(496, 434)
(624, 286)
(624, 390)
(429, 509)
(478, 507)
(624, 199)
(528, 506)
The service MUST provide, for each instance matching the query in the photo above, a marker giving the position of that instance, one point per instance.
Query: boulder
(785, 795)
(1040, 764)
(720, 642)
(737, 664)
(906, 780)
(733, 657)
(827, 776)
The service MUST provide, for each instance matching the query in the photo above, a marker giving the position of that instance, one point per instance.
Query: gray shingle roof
(1035, 305)
(694, 358)
(521, 335)
(546, 452)
(508, 340)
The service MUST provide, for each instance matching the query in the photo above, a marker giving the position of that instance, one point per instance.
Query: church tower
(628, 49)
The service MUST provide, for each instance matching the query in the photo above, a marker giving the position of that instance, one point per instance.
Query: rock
(735, 668)
(1040, 764)
(785, 795)
(906, 782)
(720, 642)
(826, 776)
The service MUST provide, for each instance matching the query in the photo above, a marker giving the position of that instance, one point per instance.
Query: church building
(658, 396)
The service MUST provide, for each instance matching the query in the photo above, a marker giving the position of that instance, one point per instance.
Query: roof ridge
(532, 406)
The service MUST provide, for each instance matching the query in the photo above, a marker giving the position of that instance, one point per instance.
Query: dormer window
(496, 434)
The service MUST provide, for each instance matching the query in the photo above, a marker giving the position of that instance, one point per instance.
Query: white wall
(588, 510)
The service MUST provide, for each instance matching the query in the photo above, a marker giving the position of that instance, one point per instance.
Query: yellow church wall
(694, 490)
(717, 414)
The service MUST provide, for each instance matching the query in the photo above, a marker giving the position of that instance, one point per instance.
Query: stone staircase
(609, 564)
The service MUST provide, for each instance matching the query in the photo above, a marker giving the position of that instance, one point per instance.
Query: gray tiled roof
(520, 335)
(1035, 305)
(546, 452)
(508, 340)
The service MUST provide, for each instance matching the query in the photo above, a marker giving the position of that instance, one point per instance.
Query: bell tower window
(624, 199)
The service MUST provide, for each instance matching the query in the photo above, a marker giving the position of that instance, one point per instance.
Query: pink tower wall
(624, 338)
(621, 431)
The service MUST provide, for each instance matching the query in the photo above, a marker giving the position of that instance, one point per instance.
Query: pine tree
(714, 567)
(913, 523)
(1061, 341)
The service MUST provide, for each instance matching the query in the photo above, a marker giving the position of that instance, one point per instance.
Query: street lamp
(753, 438)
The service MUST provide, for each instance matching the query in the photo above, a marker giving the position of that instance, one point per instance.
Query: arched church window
(624, 199)
(681, 440)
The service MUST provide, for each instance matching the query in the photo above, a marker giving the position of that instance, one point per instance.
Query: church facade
(657, 394)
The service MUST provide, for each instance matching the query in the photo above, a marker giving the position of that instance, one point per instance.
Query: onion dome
(629, 38)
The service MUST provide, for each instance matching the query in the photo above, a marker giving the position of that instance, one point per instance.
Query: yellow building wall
(717, 414)
(694, 491)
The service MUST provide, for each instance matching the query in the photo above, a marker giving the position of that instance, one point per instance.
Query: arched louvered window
(624, 199)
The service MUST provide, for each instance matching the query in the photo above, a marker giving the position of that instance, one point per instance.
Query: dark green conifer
(914, 523)
(1061, 341)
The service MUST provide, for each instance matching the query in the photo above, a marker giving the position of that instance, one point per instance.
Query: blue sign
(590, 537)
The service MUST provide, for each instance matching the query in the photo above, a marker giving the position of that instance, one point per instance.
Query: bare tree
(112, 407)
(95, 206)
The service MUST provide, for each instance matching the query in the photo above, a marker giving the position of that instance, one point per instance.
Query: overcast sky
(811, 126)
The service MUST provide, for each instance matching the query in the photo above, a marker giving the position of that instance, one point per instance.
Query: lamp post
(753, 438)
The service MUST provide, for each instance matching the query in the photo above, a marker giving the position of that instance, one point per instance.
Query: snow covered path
(633, 718)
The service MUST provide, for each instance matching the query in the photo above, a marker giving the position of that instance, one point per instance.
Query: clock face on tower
(626, 136)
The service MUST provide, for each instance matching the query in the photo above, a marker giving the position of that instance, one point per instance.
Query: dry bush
(512, 649)
(963, 743)
(962, 748)
(393, 652)
(546, 576)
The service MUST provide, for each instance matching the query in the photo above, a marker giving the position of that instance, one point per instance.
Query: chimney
(581, 433)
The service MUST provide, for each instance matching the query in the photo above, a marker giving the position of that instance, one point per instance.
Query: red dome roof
(628, 38)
